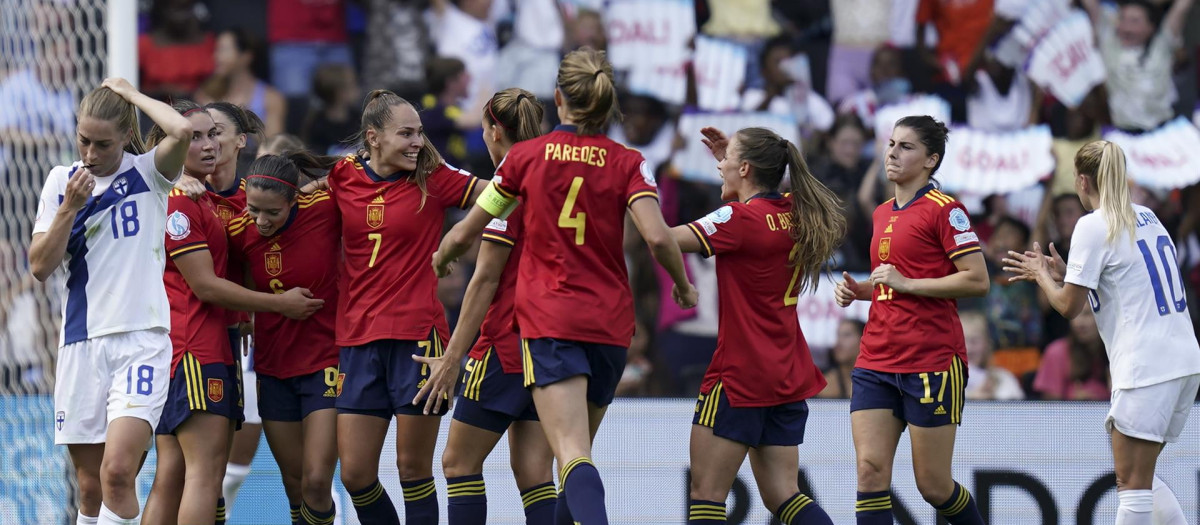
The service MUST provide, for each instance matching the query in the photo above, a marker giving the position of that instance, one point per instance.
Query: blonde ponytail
(1104, 162)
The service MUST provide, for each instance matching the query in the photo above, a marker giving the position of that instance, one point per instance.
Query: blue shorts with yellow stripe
(214, 388)
(771, 426)
(924, 399)
(547, 361)
(294, 398)
(381, 378)
(491, 399)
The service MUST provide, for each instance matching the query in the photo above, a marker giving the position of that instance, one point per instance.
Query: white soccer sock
(1137, 507)
(1166, 508)
(108, 517)
(235, 475)
(80, 519)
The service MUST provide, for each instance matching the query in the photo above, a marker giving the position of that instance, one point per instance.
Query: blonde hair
(105, 104)
(585, 78)
(1103, 162)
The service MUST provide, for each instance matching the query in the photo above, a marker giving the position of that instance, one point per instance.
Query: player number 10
(1164, 303)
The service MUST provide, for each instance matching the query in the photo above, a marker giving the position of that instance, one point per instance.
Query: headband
(193, 110)
(286, 183)
(493, 115)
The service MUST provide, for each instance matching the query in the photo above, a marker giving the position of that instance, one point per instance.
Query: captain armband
(495, 203)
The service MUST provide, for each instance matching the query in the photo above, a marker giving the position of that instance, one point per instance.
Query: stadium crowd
(304, 67)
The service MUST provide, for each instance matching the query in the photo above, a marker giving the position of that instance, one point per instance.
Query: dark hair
(517, 111)
(1153, 12)
(327, 80)
(439, 71)
(287, 168)
(1085, 359)
(185, 107)
(585, 79)
(281, 143)
(243, 119)
(817, 223)
(377, 113)
(771, 45)
(1022, 228)
(932, 134)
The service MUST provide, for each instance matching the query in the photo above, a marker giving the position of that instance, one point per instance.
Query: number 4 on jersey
(578, 220)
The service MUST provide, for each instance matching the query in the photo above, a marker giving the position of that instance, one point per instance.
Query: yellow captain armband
(495, 203)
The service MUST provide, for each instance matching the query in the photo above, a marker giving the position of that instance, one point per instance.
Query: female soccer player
(494, 398)
(204, 399)
(110, 208)
(911, 371)
(1122, 264)
(573, 303)
(286, 239)
(769, 248)
(393, 198)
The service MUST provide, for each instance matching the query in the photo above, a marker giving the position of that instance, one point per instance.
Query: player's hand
(441, 268)
(119, 86)
(716, 142)
(846, 291)
(79, 189)
(686, 297)
(190, 186)
(316, 185)
(443, 376)
(298, 303)
(889, 276)
(1026, 266)
(1058, 267)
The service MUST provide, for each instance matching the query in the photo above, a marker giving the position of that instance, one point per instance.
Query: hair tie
(193, 110)
(598, 73)
(261, 176)
(521, 96)
(493, 115)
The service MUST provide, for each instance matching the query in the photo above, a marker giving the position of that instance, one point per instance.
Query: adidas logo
(889, 229)
(378, 199)
(275, 247)
(331, 392)
(939, 411)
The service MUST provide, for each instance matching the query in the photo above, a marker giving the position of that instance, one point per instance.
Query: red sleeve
(504, 231)
(953, 228)
(508, 176)
(719, 231)
(184, 234)
(926, 11)
(641, 181)
(236, 231)
(451, 187)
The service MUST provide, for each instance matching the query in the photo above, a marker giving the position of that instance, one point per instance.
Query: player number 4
(578, 220)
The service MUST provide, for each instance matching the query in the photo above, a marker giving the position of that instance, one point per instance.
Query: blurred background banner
(987, 162)
(650, 40)
(1033, 21)
(696, 162)
(1065, 62)
(720, 73)
(1167, 158)
(886, 116)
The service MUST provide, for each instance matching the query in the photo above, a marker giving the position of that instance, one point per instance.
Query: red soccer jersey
(304, 253)
(762, 357)
(196, 327)
(910, 333)
(389, 237)
(231, 203)
(575, 190)
(497, 328)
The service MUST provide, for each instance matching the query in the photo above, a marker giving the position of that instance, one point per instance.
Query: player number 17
(941, 390)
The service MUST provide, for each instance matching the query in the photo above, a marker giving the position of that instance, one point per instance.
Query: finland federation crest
(121, 185)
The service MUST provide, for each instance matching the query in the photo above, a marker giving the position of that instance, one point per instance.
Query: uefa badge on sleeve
(959, 220)
(178, 226)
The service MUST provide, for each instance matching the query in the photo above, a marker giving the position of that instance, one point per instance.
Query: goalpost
(52, 52)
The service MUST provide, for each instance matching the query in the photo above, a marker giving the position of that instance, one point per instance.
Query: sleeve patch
(719, 216)
(178, 226)
(648, 174)
(959, 220)
(499, 225)
(964, 238)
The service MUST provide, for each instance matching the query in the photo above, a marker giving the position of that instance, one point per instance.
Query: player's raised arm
(172, 149)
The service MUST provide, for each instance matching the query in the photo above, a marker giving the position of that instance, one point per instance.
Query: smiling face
(204, 150)
(733, 170)
(101, 145)
(269, 209)
(907, 158)
(396, 146)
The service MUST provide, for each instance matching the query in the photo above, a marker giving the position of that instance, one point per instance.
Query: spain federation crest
(885, 248)
(340, 380)
(374, 215)
(274, 263)
(216, 390)
(225, 213)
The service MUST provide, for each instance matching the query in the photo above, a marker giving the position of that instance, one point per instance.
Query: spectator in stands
(888, 86)
(645, 128)
(305, 34)
(22, 334)
(784, 93)
(961, 26)
(530, 59)
(841, 168)
(845, 352)
(741, 19)
(859, 27)
(329, 128)
(462, 29)
(446, 123)
(234, 80)
(1138, 55)
(397, 46)
(999, 98)
(176, 55)
(1012, 307)
(586, 30)
(1075, 367)
(985, 381)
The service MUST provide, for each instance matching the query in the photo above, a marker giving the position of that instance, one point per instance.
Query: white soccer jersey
(115, 258)
(1138, 297)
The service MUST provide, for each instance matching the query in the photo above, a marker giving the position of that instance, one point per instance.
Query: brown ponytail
(517, 111)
